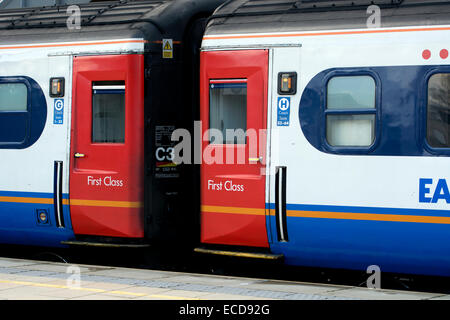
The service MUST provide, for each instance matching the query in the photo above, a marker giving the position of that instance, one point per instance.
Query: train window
(13, 97)
(14, 116)
(350, 111)
(351, 92)
(438, 111)
(108, 112)
(350, 130)
(228, 112)
(23, 112)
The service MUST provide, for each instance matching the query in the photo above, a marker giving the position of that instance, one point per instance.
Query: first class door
(106, 176)
(234, 117)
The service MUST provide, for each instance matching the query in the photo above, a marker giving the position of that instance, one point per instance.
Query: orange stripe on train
(233, 210)
(31, 200)
(331, 215)
(329, 33)
(103, 203)
(75, 202)
(365, 216)
(55, 45)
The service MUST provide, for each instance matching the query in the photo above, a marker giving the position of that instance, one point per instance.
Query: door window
(108, 112)
(228, 112)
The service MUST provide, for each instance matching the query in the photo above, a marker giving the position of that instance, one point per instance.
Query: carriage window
(438, 111)
(350, 130)
(108, 112)
(228, 112)
(350, 111)
(14, 115)
(23, 112)
(13, 97)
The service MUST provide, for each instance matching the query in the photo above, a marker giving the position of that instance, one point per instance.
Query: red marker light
(426, 54)
(444, 53)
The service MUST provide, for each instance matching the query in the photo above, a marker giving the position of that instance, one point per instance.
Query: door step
(240, 254)
(103, 244)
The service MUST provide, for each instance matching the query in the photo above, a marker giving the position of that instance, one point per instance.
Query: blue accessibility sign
(283, 111)
(58, 111)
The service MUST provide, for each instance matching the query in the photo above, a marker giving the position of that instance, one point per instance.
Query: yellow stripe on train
(74, 202)
(331, 215)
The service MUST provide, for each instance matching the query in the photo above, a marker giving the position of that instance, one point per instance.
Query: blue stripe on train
(19, 221)
(25, 194)
(374, 210)
(401, 247)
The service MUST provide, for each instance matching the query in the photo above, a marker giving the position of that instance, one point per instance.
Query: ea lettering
(430, 192)
(227, 186)
(106, 181)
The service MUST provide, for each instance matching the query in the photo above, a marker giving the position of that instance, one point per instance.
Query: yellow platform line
(125, 293)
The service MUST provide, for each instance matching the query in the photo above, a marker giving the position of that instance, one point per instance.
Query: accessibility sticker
(167, 48)
(58, 113)
(283, 111)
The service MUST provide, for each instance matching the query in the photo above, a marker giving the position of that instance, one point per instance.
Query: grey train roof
(100, 20)
(252, 16)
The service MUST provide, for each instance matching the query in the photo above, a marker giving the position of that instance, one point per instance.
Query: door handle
(79, 155)
(260, 159)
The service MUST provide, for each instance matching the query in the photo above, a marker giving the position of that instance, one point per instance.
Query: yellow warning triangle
(167, 46)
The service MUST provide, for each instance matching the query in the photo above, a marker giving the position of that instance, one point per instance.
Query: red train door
(106, 176)
(233, 101)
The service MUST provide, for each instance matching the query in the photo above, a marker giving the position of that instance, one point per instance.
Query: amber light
(57, 87)
(287, 82)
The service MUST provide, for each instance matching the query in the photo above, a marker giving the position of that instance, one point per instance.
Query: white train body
(369, 188)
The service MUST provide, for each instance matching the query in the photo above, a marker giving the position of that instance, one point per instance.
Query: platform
(39, 280)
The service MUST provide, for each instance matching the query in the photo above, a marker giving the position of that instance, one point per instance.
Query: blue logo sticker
(58, 113)
(283, 111)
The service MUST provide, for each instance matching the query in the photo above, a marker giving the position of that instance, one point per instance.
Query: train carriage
(89, 97)
(324, 133)
(350, 103)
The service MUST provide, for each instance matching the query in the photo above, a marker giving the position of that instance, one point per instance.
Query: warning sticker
(167, 48)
